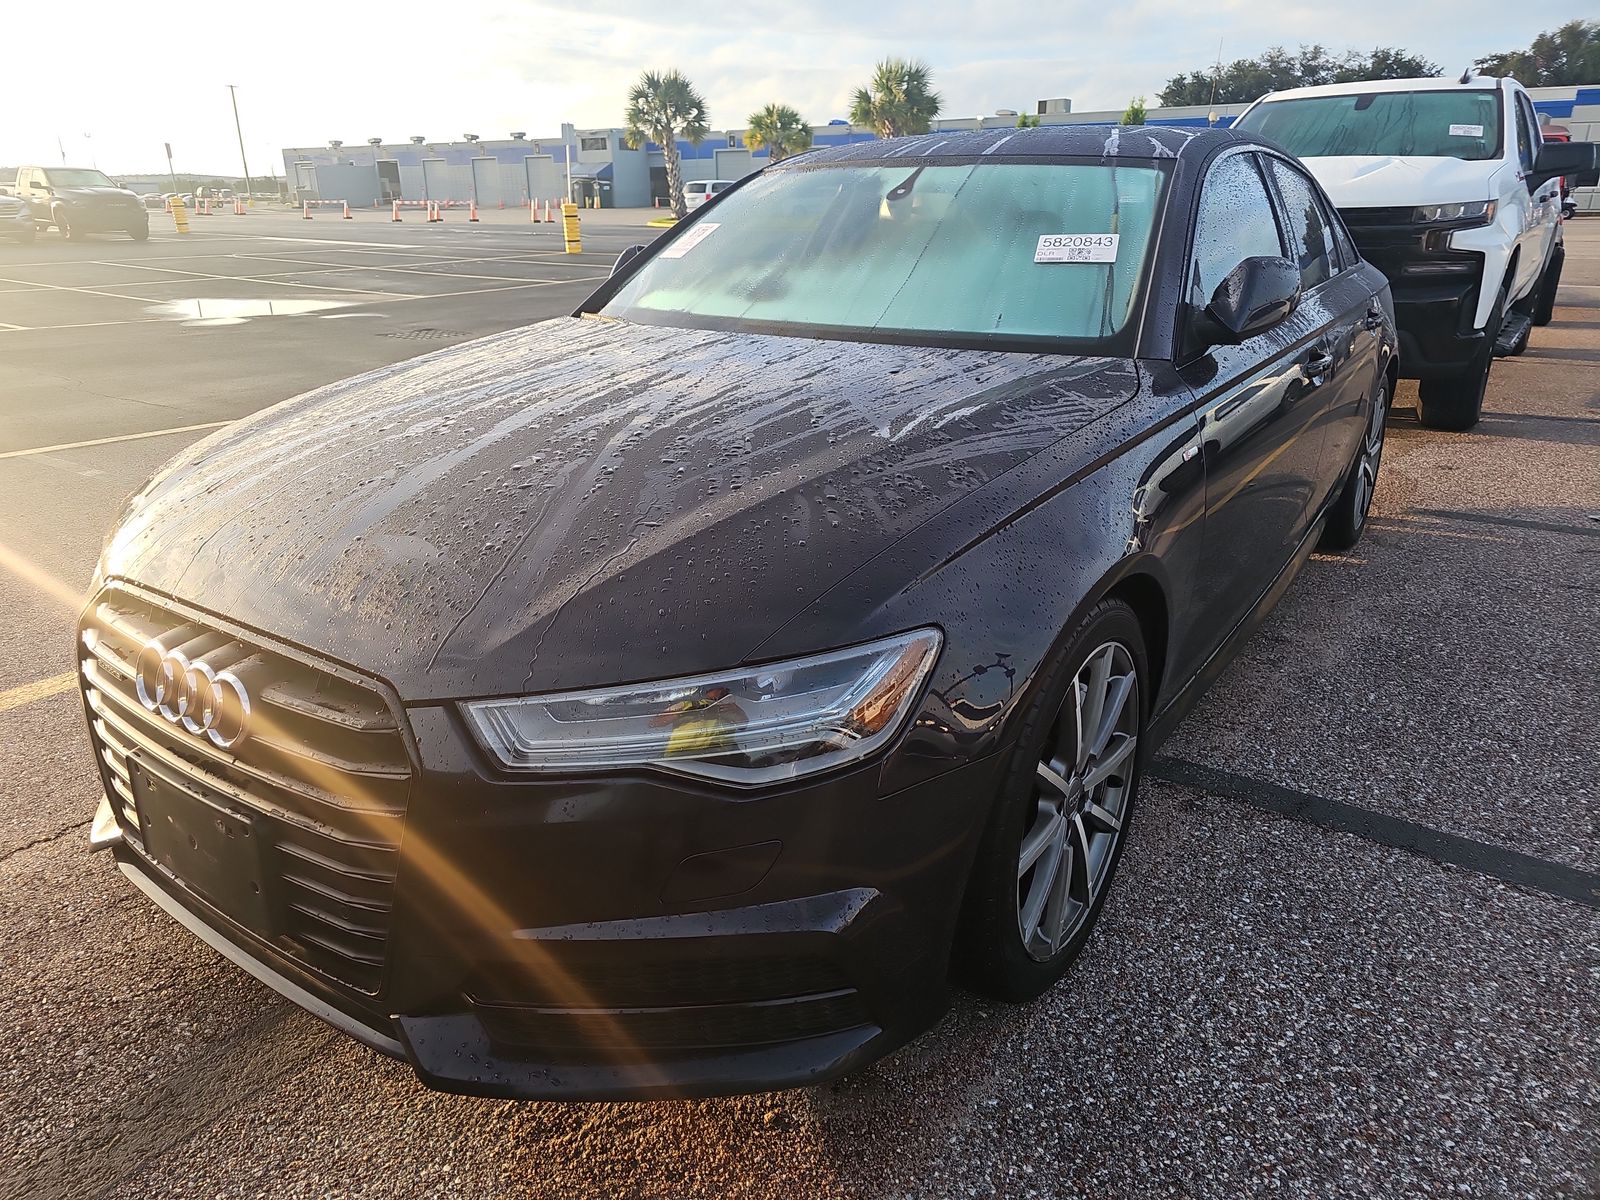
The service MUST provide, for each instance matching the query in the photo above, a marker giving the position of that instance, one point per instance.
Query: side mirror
(1562, 158)
(626, 257)
(1257, 294)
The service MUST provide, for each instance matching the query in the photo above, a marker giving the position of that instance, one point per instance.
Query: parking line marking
(11, 328)
(1498, 862)
(320, 287)
(83, 291)
(37, 690)
(1449, 514)
(107, 441)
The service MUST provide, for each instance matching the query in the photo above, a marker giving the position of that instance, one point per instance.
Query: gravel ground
(1268, 1007)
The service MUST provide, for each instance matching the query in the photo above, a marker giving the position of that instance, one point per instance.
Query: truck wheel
(1456, 404)
(63, 226)
(1544, 308)
(140, 233)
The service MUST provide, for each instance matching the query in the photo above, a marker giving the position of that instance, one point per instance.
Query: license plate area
(211, 847)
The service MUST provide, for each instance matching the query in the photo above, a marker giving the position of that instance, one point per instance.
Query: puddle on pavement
(237, 312)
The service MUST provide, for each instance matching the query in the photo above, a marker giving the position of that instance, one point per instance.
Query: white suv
(699, 191)
(1448, 189)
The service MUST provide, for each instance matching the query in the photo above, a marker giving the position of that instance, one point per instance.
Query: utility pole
(248, 187)
(170, 171)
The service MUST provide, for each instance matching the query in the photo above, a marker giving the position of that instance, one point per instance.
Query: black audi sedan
(673, 698)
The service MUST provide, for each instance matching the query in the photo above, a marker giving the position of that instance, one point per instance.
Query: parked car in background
(654, 701)
(153, 201)
(16, 219)
(698, 191)
(1448, 187)
(81, 200)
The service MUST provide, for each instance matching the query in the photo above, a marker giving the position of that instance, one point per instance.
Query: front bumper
(538, 953)
(627, 936)
(108, 218)
(17, 225)
(1436, 289)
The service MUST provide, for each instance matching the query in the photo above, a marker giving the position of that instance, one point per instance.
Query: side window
(1235, 223)
(1307, 228)
(1526, 138)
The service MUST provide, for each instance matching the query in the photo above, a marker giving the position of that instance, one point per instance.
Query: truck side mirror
(626, 257)
(1562, 158)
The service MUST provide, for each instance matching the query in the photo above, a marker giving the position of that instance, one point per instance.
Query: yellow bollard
(180, 214)
(569, 227)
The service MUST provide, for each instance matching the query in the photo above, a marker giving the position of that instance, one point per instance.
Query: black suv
(80, 200)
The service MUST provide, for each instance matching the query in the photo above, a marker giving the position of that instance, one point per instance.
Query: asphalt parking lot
(1354, 947)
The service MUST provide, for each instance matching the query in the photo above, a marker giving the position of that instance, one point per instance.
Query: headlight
(749, 726)
(1476, 212)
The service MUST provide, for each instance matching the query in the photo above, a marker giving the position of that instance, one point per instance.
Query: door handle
(1374, 318)
(1318, 364)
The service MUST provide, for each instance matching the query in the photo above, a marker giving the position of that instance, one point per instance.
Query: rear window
(976, 251)
(1446, 124)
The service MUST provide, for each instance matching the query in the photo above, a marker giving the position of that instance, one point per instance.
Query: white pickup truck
(1449, 189)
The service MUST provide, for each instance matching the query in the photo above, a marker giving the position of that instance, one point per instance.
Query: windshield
(1445, 124)
(76, 177)
(987, 251)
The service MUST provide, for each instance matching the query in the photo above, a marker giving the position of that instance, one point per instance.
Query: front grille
(323, 772)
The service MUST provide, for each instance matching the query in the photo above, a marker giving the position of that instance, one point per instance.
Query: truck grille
(322, 770)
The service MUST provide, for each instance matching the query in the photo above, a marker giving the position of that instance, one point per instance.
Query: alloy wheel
(1082, 788)
(1371, 455)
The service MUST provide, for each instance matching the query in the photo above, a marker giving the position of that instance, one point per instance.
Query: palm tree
(662, 107)
(898, 101)
(780, 129)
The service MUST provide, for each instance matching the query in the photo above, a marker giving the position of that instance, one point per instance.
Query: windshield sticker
(1466, 131)
(1076, 248)
(691, 239)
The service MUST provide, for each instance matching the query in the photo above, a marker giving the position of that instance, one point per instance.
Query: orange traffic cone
(306, 213)
(472, 212)
(347, 215)
(396, 215)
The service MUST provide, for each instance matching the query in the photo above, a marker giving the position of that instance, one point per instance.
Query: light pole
(248, 186)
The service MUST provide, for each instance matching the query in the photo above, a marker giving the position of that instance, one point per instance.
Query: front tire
(1348, 517)
(64, 227)
(140, 233)
(1058, 826)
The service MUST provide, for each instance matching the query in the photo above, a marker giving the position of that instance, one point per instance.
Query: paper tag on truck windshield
(1076, 248)
(691, 239)
(1466, 131)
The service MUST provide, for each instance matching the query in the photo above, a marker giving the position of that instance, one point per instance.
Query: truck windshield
(976, 251)
(1442, 124)
(76, 177)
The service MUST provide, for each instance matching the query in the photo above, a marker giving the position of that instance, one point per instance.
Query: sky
(119, 78)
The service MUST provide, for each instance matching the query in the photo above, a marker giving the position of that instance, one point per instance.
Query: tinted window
(963, 250)
(1236, 222)
(77, 177)
(1443, 124)
(1307, 227)
(1527, 138)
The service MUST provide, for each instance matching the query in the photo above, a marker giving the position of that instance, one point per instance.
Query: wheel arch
(1143, 593)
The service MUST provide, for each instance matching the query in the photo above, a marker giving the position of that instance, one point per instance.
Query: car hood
(1387, 181)
(103, 194)
(584, 502)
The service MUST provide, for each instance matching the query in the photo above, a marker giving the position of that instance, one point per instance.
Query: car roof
(1044, 141)
(1367, 87)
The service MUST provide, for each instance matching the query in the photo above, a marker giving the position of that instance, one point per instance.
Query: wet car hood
(584, 502)
(1386, 181)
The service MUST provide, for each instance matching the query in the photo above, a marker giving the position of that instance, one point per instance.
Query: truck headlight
(748, 726)
(1475, 212)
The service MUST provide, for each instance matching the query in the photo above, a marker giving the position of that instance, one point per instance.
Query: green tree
(781, 129)
(1028, 121)
(1246, 79)
(1557, 58)
(662, 108)
(1134, 113)
(898, 101)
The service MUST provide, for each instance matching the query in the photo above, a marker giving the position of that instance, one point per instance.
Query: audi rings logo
(191, 693)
